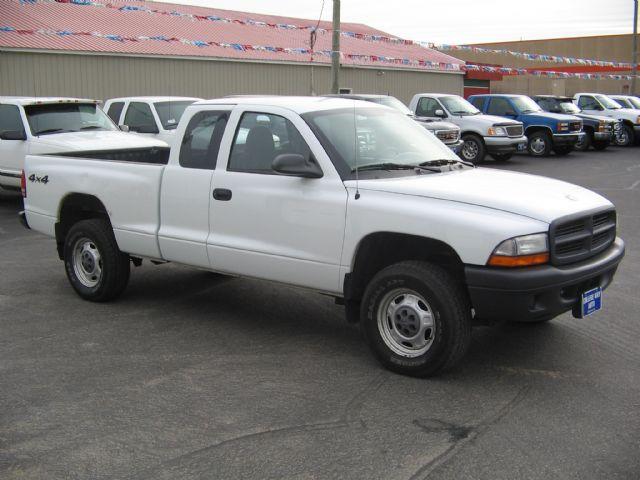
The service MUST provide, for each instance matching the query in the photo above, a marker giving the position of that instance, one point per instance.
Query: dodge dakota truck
(55, 124)
(481, 134)
(545, 131)
(345, 198)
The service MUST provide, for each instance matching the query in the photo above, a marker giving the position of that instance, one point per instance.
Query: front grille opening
(577, 239)
(570, 228)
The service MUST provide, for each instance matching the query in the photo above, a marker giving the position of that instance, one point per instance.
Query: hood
(532, 196)
(437, 125)
(595, 118)
(91, 141)
(558, 117)
(493, 120)
(630, 114)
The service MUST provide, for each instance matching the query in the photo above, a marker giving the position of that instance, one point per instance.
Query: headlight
(521, 251)
(563, 126)
(601, 126)
(497, 132)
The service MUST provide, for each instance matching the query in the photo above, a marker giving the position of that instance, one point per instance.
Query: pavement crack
(464, 434)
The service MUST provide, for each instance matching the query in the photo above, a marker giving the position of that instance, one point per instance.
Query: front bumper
(538, 293)
(505, 144)
(455, 147)
(603, 136)
(566, 139)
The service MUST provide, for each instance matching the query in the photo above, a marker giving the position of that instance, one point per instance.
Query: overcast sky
(459, 21)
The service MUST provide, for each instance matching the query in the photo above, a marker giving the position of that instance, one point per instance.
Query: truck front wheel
(473, 149)
(540, 144)
(97, 270)
(416, 319)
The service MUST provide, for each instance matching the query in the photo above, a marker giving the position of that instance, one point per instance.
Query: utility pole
(335, 48)
(635, 47)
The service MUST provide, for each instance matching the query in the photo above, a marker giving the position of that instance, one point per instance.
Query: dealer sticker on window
(591, 301)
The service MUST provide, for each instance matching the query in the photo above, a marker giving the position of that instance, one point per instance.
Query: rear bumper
(538, 293)
(505, 144)
(23, 219)
(566, 139)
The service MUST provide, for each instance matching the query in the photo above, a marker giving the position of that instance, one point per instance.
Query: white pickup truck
(346, 198)
(31, 125)
(598, 104)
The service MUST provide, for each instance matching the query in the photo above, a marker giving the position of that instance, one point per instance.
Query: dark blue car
(545, 131)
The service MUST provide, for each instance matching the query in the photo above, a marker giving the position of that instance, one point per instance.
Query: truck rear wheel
(97, 270)
(416, 319)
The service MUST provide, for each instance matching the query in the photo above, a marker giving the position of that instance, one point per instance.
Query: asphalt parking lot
(191, 375)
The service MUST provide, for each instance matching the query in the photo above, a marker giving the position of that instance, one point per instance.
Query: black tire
(564, 150)
(628, 138)
(90, 243)
(542, 144)
(473, 149)
(442, 296)
(501, 157)
(586, 142)
(601, 144)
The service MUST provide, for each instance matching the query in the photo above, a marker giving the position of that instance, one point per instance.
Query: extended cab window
(260, 138)
(201, 140)
(115, 109)
(427, 107)
(140, 119)
(10, 120)
(500, 107)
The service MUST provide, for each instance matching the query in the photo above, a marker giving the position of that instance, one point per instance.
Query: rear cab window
(201, 141)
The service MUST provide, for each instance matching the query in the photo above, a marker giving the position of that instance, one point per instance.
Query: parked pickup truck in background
(598, 104)
(353, 200)
(447, 132)
(155, 117)
(545, 131)
(52, 125)
(481, 134)
(599, 130)
(626, 101)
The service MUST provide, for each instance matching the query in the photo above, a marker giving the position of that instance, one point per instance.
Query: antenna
(355, 148)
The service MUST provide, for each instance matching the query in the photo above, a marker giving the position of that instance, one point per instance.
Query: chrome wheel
(470, 150)
(623, 138)
(538, 145)
(87, 262)
(406, 323)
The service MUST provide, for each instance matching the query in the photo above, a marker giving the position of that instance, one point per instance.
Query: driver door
(272, 226)
(12, 152)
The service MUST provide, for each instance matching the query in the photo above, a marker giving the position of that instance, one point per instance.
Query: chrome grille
(515, 130)
(448, 136)
(575, 239)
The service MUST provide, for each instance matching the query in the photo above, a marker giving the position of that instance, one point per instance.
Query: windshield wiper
(92, 127)
(445, 161)
(51, 130)
(460, 112)
(394, 166)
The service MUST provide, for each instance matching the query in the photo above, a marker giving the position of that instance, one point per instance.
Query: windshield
(569, 107)
(635, 102)
(52, 118)
(171, 112)
(525, 104)
(383, 137)
(393, 102)
(608, 103)
(459, 106)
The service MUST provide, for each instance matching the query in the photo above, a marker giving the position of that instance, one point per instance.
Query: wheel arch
(73, 208)
(530, 130)
(378, 250)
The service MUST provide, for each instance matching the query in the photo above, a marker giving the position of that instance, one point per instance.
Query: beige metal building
(617, 48)
(119, 48)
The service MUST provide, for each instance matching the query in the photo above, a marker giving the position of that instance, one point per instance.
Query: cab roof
(299, 105)
(165, 98)
(45, 100)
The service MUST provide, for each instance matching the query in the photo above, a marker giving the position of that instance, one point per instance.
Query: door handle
(222, 194)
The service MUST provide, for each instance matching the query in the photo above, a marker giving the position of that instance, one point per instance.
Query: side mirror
(144, 128)
(124, 128)
(440, 113)
(13, 135)
(296, 165)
